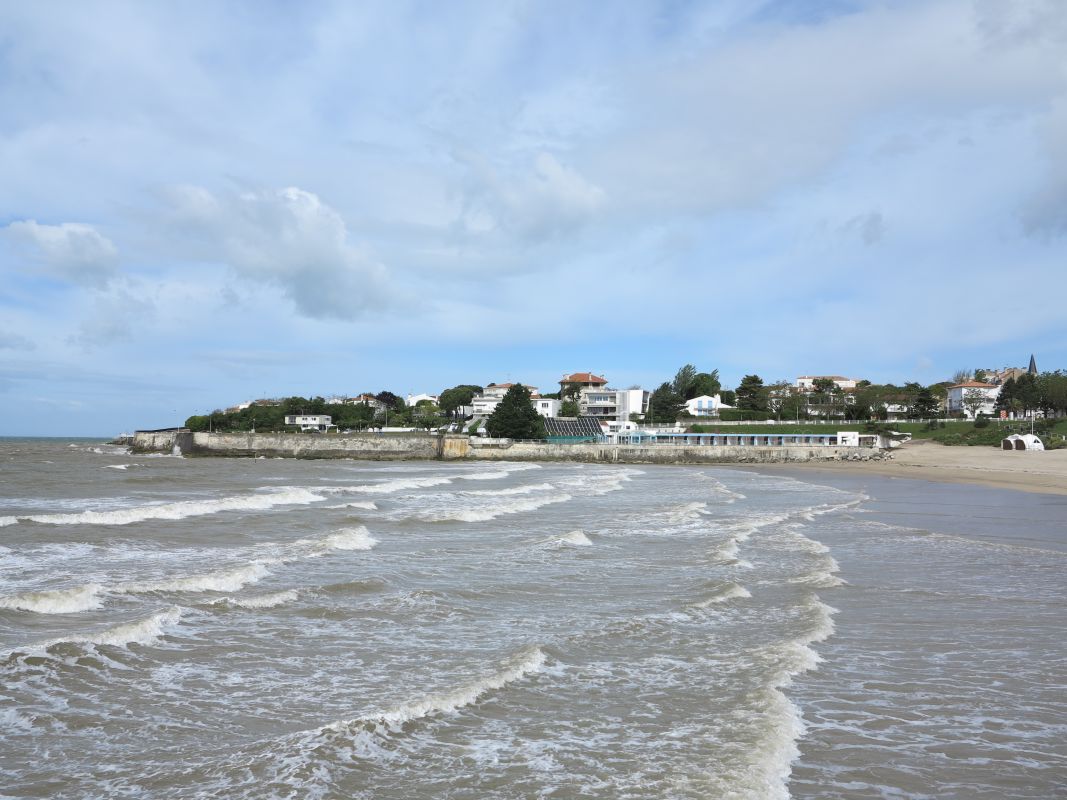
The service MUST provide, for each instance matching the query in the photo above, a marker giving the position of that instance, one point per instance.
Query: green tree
(664, 403)
(452, 399)
(515, 417)
(569, 408)
(728, 396)
(752, 394)
(683, 379)
(924, 405)
(704, 383)
(571, 390)
(973, 400)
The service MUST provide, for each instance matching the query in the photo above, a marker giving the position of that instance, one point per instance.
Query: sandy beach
(1041, 471)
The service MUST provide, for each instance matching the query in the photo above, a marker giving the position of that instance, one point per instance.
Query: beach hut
(1024, 441)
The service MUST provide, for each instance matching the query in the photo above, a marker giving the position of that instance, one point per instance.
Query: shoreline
(1038, 472)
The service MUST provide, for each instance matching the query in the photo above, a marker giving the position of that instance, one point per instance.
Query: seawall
(370, 446)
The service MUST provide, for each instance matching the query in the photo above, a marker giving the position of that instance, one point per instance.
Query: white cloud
(542, 201)
(71, 251)
(286, 237)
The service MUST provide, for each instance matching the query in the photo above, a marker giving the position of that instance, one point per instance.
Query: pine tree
(515, 417)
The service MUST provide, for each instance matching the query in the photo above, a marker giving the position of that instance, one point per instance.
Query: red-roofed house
(585, 380)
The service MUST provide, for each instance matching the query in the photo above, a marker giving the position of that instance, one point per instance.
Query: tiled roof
(583, 377)
(973, 385)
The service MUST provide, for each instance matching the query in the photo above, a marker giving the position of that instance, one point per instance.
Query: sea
(273, 628)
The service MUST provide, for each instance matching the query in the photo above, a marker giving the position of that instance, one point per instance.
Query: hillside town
(691, 398)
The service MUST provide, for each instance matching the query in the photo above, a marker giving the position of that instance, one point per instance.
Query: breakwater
(427, 447)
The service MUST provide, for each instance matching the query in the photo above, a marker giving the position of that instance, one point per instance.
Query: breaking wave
(730, 591)
(223, 580)
(174, 511)
(142, 631)
(56, 601)
(497, 510)
(263, 600)
(357, 538)
(366, 505)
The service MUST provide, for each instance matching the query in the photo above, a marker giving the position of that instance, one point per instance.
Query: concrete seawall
(451, 447)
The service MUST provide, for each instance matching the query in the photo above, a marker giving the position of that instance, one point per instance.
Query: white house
(806, 383)
(310, 422)
(705, 406)
(546, 406)
(612, 404)
(959, 398)
(485, 403)
(414, 399)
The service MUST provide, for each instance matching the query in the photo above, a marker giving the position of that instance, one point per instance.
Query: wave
(366, 505)
(720, 488)
(56, 601)
(687, 512)
(121, 466)
(362, 586)
(729, 591)
(528, 489)
(527, 661)
(142, 631)
(387, 487)
(499, 509)
(261, 601)
(178, 510)
(357, 538)
(224, 580)
(575, 538)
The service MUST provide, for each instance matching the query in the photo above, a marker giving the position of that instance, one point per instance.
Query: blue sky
(203, 203)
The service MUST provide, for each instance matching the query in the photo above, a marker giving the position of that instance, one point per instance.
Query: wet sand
(1039, 471)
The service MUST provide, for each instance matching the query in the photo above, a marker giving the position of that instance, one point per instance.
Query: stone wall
(459, 447)
(668, 454)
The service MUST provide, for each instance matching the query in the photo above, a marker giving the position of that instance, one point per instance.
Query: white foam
(142, 631)
(513, 490)
(56, 601)
(687, 511)
(344, 539)
(263, 600)
(389, 487)
(730, 591)
(528, 661)
(576, 538)
(497, 510)
(173, 511)
(224, 580)
(366, 505)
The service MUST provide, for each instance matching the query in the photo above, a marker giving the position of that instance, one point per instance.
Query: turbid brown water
(183, 628)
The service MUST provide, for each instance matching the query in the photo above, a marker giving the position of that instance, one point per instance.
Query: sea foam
(56, 601)
(174, 511)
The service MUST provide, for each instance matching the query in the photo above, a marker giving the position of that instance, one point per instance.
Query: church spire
(1033, 365)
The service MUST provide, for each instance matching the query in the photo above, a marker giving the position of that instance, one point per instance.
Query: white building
(485, 403)
(414, 399)
(960, 394)
(310, 422)
(705, 406)
(806, 383)
(368, 400)
(612, 404)
(546, 406)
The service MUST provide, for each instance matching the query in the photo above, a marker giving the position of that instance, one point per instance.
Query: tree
(793, 406)
(823, 385)
(925, 404)
(663, 404)
(961, 376)
(973, 400)
(683, 379)
(452, 399)
(569, 408)
(427, 415)
(571, 390)
(394, 402)
(515, 417)
(751, 394)
(1027, 392)
(728, 397)
(704, 383)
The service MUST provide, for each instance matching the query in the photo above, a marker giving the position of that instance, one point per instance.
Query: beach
(1026, 471)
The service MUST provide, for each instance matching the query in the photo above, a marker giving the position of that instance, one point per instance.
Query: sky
(202, 203)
